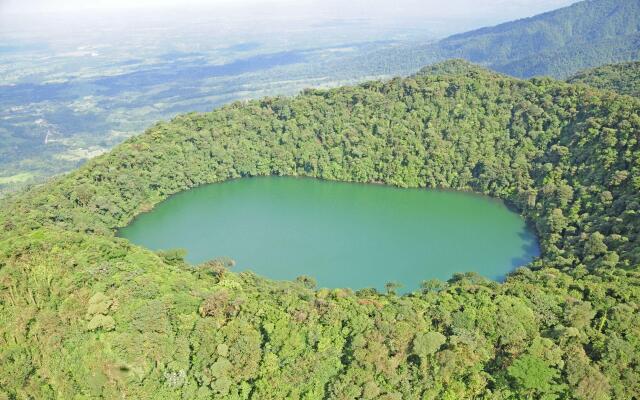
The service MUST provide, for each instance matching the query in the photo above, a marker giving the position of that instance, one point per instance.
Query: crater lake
(342, 234)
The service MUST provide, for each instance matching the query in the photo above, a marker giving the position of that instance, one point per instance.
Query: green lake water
(342, 234)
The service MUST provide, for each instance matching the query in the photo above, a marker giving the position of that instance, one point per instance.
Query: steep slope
(84, 314)
(623, 78)
(558, 43)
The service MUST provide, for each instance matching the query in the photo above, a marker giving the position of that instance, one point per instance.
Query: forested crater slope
(623, 78)
(84, 313)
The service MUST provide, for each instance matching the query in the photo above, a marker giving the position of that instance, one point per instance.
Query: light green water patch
(342, 234)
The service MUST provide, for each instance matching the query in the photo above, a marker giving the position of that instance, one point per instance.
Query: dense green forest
(623, 78)
(85, 314)
(558, 43)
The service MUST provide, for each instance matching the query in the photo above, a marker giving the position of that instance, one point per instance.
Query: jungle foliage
(623, 78)
(558, 43)
(85, 314)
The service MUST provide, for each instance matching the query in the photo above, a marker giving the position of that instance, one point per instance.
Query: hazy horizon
(55, 15)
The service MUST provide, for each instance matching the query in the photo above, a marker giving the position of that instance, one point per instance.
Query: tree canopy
(86, 314)
(623, 78)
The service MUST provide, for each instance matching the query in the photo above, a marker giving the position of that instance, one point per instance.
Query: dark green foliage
(533, 376)
(426, 344)
(85, 314)
(308, 281)
(174, 256)
(623, 78)
(558, 43)
(217, 267)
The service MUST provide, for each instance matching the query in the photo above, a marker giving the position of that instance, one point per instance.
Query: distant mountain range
(558, 43)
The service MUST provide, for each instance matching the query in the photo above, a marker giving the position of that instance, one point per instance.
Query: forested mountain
(558, 43)
(85, 314)
(623, 78)
(52, 123)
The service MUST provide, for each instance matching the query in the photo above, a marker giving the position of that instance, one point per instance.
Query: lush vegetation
(85, 314)
(623, 78)
(558, 43)
(52, 127)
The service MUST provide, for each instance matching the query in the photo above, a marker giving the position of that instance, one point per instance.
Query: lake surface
(342, 234)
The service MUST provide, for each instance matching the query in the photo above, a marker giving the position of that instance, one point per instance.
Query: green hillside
(85, 314)
(623, 78)
(558, 43)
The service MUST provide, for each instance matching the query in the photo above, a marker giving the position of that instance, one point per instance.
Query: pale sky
(368, 8)
(442, 17)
